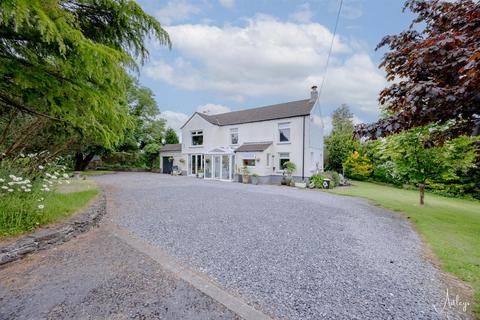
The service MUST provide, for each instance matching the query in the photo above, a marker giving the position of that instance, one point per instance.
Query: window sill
(196, 146)
(284, 142)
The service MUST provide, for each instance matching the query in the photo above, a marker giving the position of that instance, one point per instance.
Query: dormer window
(284, 132)
(197, 138)
(234, 136)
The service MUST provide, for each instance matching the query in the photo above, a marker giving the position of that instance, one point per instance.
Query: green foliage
(358, 166)
(144, 112)
(123, 160)
(415, 162)
(289, 167)
(317, 180)
(340, 143)
(335, 179)
(25, 187)
(152, 152)
(410, 158)
(171, 136)
(64, 69)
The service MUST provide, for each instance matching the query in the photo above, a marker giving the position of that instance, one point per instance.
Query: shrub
(289, 167)
(334, 178)
(357, 166)
(317, 180)
(24, 185)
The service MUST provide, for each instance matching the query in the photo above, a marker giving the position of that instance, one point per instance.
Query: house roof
(253, 147)
(171, 147)
(272, 112)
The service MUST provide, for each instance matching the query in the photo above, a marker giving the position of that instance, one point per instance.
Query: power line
(330, 50)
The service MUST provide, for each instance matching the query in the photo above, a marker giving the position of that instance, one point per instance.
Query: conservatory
(219, 164)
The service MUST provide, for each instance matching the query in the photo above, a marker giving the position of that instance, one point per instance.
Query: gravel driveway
(298, 254)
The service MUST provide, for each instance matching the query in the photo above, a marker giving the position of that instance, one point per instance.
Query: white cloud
(227, 3)
(174, 120)
(270, 57)
(303, 14)
(179, 10)
(351, 9)
(211, 108)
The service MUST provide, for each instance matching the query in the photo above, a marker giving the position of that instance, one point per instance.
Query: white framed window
(282, 158)
(284, 132)
(234, 136)
(197, 138)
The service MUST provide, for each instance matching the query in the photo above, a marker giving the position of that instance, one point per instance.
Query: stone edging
(56, 234)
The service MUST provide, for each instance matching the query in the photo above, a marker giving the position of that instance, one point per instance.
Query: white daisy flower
(41, 206)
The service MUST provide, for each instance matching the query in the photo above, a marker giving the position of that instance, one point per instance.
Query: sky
(230, 55)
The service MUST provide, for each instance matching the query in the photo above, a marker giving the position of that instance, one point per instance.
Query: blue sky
(234, 54)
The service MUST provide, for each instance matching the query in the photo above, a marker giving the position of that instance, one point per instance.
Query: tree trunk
(421, 188)
(81, 163)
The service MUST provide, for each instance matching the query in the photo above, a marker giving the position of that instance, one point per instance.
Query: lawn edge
(448, 279)
(55, 233)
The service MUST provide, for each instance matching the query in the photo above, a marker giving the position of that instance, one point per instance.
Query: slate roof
(253, 147)
(272, 112)
(171, 147)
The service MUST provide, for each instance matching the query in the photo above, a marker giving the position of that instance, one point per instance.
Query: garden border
(58, 233)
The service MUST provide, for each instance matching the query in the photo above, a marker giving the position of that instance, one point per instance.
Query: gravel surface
(97, 276)
(299, 254)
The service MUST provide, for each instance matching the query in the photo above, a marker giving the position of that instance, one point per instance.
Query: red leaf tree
(434, 70)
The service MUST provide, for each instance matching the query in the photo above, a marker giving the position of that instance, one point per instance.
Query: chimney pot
(314, 94)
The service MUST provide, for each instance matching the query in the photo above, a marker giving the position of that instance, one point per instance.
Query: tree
(146, 128)
(171, 136)
(435, 72)
(417, 164)
(65, 70)
(340, 144)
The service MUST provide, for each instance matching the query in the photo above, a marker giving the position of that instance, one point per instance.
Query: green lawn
(63, 203)
(88, 173)
(19, 215)
(451, 226)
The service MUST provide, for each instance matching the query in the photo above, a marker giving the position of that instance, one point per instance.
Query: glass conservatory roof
(220, 150)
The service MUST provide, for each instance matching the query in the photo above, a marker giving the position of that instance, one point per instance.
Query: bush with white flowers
(24, 187)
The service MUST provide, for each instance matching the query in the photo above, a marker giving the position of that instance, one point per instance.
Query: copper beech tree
(434, 70)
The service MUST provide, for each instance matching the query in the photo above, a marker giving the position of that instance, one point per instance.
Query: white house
(262, 139)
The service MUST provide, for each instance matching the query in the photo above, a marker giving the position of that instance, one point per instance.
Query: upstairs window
(197, 138)
(234, 136)
(284, 132)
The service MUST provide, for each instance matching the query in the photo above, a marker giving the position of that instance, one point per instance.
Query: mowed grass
(16, 219)
(88, 173)
(63, 203)
(451, 226)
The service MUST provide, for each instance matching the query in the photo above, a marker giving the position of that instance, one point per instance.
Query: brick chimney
(314, 94)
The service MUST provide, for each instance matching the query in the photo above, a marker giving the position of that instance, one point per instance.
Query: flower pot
(301, 184)
(254, 180)
(245, 178)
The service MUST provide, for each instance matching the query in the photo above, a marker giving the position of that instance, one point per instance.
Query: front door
(167, 165)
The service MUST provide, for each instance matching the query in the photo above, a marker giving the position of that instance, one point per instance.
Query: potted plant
(283, 182)
(289, 167)
(245, 174)
(254, 178)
